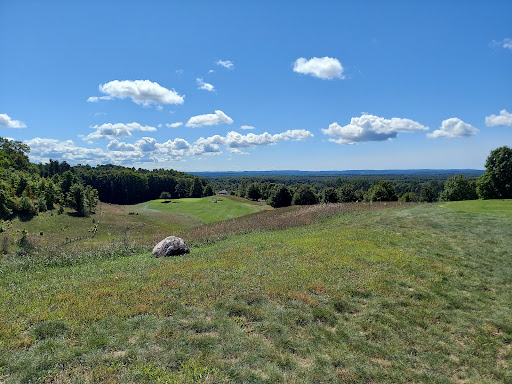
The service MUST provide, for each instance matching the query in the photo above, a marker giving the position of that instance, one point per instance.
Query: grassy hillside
(150, 220)
(411, 294)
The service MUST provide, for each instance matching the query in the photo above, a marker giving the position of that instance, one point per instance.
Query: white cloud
(149, 150)
(453, 127)
(41, 150)
(321, 67)
(174, 125)
(371, 128)
(211, 71)
(234, 140)
(206, 86)
(504, 118)
(226, 64)
(143, 92)
(115, 145)
(95, 99)
(218, 117)
(507, 43)
(247, 127)
(6, 121)
(109, 130)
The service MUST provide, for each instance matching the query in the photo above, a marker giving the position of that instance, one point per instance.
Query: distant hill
(365, 172)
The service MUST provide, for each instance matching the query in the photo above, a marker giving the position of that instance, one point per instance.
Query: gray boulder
(170, 246)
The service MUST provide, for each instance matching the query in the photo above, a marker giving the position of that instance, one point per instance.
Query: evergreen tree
(196, 190)
(208, 190)
(280, 197)
(182, 188)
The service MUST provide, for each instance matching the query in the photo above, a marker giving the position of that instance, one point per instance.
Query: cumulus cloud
(174, 125)
(143, 92)
(235, 140)
(109, 130)
(216, 118)
(247, 127)
(226, 64)
(148, 149)
(206, 86)
(321, 67)
(41, 150)
(371, 128)
(503, 119)
(453, 127)
(115, 145)
(6, 121)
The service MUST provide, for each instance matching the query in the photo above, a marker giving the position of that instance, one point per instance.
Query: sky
(258, 85)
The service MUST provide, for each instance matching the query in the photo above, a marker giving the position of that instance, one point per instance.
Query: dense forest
(27, 189)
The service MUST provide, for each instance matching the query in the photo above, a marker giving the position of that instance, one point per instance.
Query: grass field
(149, 220)
(490, 207)
(411, 294)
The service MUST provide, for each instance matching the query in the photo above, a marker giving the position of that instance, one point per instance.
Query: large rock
(170, 246)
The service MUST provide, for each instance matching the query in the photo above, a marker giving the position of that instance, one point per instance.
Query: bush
(25, 206)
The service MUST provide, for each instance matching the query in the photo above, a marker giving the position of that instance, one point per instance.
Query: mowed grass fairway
(205, 209)
(410, 294)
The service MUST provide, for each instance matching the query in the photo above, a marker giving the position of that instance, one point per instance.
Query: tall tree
(196, 190)
(76, 198)
(497, 180)
(383, 191)
(458, 188)
(280, 197)
(253, 191)
(304, 195)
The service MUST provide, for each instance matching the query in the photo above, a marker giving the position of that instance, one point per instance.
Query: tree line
(495, 182)
(27, 189)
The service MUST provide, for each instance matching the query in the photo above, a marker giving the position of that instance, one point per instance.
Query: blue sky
(260, 85)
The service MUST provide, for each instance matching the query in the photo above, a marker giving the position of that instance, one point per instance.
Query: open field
(149, 220)
(410, 294)
(488, 207)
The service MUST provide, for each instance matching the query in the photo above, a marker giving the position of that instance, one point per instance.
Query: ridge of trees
(27, 188)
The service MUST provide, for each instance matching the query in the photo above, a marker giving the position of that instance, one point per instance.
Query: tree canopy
(496, 182)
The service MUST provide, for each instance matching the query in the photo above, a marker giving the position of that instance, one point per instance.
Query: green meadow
(348, 293)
